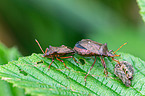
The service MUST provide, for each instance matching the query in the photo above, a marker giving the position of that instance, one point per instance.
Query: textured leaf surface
(141, 4)
(37, 80)
(9, 54)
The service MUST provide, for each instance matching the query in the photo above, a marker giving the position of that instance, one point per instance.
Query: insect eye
(82, 61)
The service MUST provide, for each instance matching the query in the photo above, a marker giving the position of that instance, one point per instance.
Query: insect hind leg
(90, 70)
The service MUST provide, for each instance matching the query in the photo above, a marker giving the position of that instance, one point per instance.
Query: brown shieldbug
(125, 72)
(58, 53)
(87, 47)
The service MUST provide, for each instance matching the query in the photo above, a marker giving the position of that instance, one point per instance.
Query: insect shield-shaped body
(87, 47)
(58, 53)
(125, 72)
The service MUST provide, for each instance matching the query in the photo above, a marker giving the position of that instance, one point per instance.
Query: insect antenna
(39, 46)
(120, 47)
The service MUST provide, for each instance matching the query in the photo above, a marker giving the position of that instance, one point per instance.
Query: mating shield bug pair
(124, 72)
(85, 47)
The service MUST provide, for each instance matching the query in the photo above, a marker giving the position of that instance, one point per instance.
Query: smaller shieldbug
(58, 53)
(87, 47)
(125, 72)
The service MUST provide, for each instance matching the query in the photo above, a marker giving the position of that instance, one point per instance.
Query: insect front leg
(50, 63)
(62, 62)
(104, 65)
(116, 61)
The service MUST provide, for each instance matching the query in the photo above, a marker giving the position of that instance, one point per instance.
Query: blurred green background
(57, 22)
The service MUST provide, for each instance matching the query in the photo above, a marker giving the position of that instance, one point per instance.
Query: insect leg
(50, 63)
(69, 57)
(90, 70)
(104, 65)
(116, 61)
(62, 62)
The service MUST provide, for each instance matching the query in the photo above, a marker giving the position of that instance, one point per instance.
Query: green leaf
(37, 80)
(9, 54)
(141, 4)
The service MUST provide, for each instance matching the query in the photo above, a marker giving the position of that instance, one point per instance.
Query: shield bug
(58, 53)
(87, 47)
(125, 72)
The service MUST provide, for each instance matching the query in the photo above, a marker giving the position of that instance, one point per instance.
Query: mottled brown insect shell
(58, 51)
(125, 72)
(87, 47)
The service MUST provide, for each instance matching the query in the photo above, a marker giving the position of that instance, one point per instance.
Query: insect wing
(89, 45)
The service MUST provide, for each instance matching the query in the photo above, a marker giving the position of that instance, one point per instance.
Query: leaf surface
(58, 80)
(141, 4)
(6, 55)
